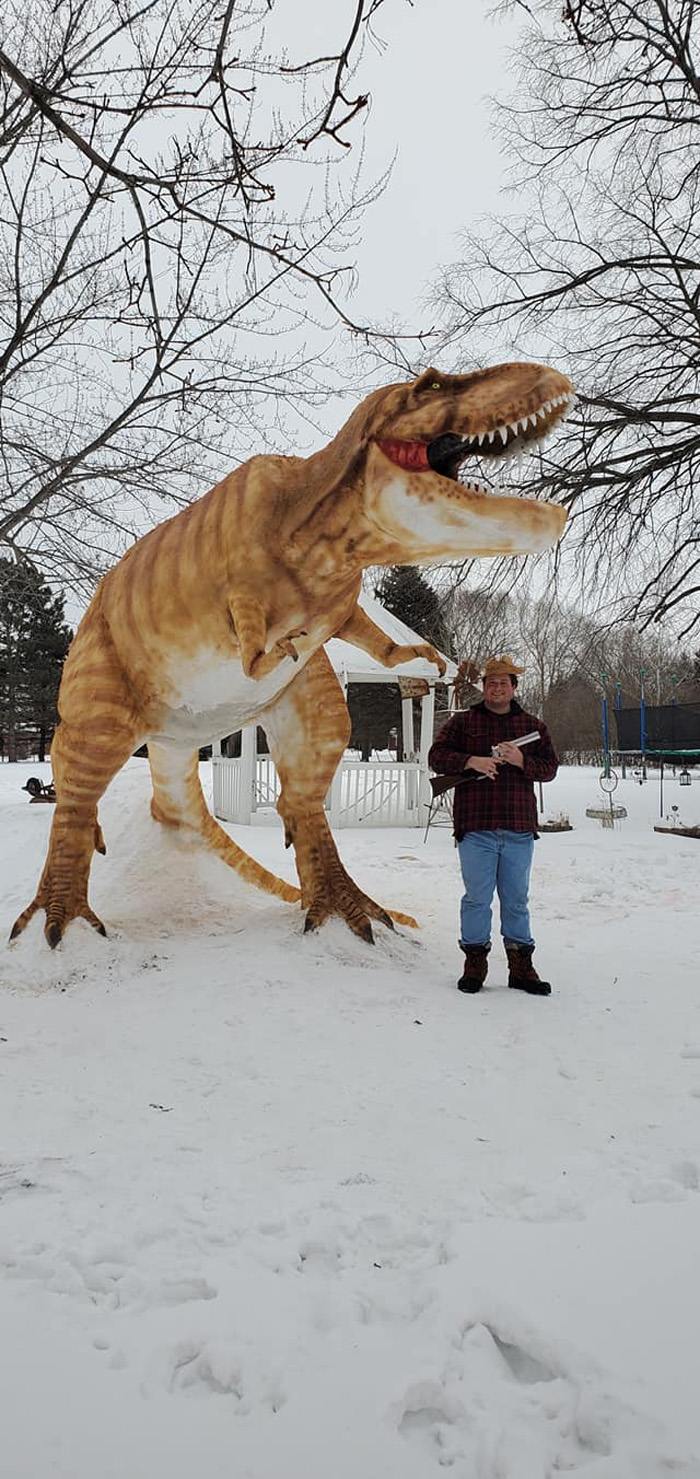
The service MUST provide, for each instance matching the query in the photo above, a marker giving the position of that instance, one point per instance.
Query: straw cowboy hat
(500, 667)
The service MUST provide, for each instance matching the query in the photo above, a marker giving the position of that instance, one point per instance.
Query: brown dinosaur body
(217, 618)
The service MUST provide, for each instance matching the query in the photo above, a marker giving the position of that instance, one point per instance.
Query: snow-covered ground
(276, 1206)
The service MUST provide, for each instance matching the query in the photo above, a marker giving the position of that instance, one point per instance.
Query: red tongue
(413, 455)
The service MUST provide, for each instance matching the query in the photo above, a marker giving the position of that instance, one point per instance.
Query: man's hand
(509, 754)
(484, 765)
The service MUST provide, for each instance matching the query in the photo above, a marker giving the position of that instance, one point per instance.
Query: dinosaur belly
(210, 696)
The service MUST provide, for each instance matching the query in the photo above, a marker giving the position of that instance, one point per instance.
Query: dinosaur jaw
(450, 453)
(425, 516)
(428, 485)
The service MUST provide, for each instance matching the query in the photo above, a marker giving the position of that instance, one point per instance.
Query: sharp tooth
(492, 436)
(532, 418)
(481, 438)
(503, 434)
(513, 426)
(542, 412)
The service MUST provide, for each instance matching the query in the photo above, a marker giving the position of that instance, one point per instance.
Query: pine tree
(34, 640)
(408, 595)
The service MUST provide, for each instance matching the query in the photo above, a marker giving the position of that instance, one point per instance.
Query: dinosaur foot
(326, 888)
(58, 917)
(358, 911)
(347, 901)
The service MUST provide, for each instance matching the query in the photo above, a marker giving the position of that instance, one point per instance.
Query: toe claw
(95, 921)
(406, 919)
(54, 933)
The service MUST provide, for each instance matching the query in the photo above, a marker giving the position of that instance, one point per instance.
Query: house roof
(355, 666)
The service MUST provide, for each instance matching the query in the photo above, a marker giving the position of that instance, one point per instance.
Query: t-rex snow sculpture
(218, 617)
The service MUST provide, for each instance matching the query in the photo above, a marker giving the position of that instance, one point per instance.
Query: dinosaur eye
(435, 385)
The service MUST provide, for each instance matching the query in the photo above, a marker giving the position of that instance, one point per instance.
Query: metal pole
(606, 733)
(674, 680)
(618, 706)
(642, 722)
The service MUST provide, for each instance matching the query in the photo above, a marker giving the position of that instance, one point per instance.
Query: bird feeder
(684, 778)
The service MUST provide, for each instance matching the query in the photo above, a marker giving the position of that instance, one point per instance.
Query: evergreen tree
(408, 595)
(34, 640)
(377, 709)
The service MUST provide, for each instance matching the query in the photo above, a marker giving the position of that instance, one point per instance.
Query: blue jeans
(496, 860)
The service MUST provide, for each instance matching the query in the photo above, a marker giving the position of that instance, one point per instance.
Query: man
(495, 821)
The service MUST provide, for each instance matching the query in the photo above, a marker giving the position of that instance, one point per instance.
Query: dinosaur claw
(54, 934)
(406, 919)
(94, 919)
(16, 930)
(326, 889)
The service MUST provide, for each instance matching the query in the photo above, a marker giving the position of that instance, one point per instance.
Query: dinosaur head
(431, 448)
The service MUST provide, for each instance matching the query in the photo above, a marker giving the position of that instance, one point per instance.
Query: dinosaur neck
(328, 533)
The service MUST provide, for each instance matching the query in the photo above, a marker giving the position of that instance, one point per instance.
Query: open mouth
(447, 454)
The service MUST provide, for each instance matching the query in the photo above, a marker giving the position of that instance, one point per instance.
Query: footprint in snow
(513, 1408)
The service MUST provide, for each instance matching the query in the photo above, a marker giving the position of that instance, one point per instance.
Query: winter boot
(476, 964)
(522, 975)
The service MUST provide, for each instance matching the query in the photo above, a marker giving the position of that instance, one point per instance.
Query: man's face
(498, 692)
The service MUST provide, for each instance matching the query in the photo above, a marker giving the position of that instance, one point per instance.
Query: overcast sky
(430, 93)
(429, 74)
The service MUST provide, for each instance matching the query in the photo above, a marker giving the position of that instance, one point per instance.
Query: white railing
(228, 801)
(267, 783)
(369, 793)
(378, 794)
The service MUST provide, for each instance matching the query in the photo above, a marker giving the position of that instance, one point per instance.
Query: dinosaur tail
(178, 800)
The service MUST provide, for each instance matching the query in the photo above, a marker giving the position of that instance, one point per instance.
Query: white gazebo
(371, 793)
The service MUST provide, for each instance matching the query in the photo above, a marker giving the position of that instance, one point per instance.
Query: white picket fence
(378, 794)
(373, 793)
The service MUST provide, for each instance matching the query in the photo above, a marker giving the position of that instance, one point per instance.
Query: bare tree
(156, 291)
(553, 638)
(482, 624)
(601, 273)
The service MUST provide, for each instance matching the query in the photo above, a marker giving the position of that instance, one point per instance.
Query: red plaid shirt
(509, 801)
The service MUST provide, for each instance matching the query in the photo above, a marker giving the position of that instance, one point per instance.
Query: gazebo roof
(355, 666)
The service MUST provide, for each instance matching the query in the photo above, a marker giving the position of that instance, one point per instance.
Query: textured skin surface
(217, 618)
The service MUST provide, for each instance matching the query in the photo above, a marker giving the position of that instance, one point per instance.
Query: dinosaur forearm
(361, 631)
(250, 624)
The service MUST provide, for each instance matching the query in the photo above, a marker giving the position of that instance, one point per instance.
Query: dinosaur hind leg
(99, 729)
(308, 727)
(178, 801)
(84, 761)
